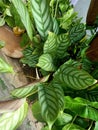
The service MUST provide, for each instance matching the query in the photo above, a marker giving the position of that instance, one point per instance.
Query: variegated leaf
(57, 45)
(74, 78)
(59, 93)
(42, 17)
(55, 26)
(77, 32)
(46, 62)
(63, 44)
(49, 103)
(24, 91)
(51, 45)
(28, 90)
(12, 120)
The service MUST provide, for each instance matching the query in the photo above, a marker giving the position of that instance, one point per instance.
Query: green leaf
(36, 110)
(2, 21)
(67, 19)
(63, 118)
(7, 12)
(95, 73)
(4, 67)
(63, 44)
(31, 56)
(72, 126)
(64, 5)
(3, 86)
(16, 19)
(24, 91)
(92, 93)
(2, 4)
(49, 103)
(47, 128)
(55, 26)
(10, 21)
(28, 90)
(57, 45)
(12, 120)
(24, 40)
(59, 93)
(46, 62)
(96, 125)
(2, 44)
(73, 77)
(42, 17)
(77, 32)
(82, 107)
(84, 123)
(24, 15)
(50, 46)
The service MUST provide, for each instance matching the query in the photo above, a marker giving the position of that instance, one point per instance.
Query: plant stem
(90, 126)
(72, 121)
(37, 75)
(56, 8)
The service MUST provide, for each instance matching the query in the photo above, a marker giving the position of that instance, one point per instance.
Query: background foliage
(55, 43)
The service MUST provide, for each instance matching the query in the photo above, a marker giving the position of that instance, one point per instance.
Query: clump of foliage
(67, 89)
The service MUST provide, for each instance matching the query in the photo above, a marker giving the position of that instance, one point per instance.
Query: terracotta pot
(12, 43)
